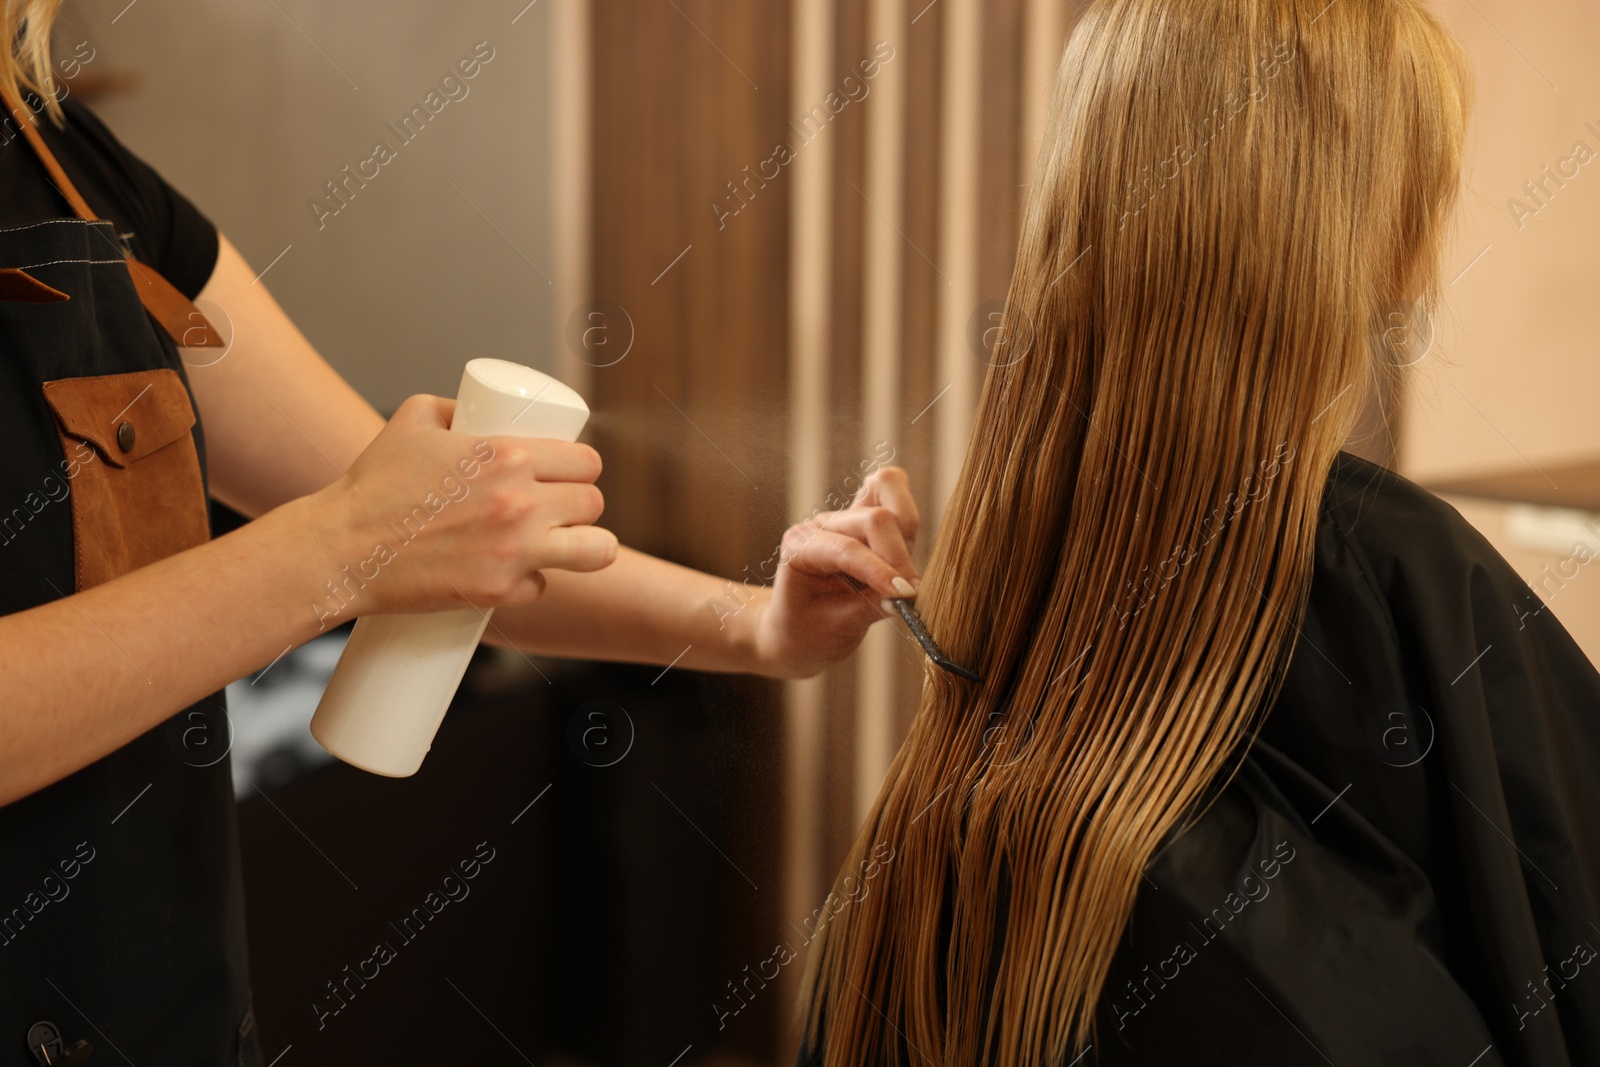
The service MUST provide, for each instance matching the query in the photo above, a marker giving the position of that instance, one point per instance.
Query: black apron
(121, 903)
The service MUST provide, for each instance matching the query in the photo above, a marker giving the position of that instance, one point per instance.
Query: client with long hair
(1274, 759)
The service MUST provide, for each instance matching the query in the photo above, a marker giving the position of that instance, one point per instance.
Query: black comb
(919, 630)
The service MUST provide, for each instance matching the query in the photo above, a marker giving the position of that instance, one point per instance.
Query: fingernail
(903, 587)
(887, 606)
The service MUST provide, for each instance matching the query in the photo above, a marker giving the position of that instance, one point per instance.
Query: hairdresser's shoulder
(1392, 518)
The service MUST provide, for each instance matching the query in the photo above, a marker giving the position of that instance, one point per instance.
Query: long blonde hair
(1228, 195)
(25, 65)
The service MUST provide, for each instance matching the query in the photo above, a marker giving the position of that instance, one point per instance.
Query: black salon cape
(1406, 869)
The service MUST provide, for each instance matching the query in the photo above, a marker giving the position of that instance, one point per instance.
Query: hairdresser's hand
(835, 571)
(428, 519)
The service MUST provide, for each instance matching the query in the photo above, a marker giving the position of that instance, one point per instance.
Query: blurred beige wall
(1513, 379)
(250, 108)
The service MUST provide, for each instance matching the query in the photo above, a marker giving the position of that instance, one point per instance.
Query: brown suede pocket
(137, 493)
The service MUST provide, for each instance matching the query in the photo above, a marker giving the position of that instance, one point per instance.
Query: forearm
(83, 676)
(640, 610)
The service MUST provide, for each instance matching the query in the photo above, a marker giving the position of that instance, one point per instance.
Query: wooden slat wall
(692, 423)
(882, 191)
(810, 267)
(1002, 129)
(826, 316)
(957, 252)
(570, 186)
(697, 407)
(951, 139)
(920, 384)
(929, 181)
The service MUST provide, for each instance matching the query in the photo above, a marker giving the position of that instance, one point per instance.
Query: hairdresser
(121, 918)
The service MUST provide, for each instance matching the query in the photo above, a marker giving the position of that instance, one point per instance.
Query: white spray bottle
(399, 673)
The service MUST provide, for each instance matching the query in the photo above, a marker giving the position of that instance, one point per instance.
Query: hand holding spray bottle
(398, 673)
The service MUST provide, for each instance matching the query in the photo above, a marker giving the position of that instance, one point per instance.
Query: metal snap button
(125, 437)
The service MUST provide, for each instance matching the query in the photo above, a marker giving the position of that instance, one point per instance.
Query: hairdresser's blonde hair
(25, 65)
(1227, 194)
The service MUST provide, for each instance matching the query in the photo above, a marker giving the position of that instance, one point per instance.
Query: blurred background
(767, 241)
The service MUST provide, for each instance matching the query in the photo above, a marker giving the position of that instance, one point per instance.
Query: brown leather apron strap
(174, 312)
